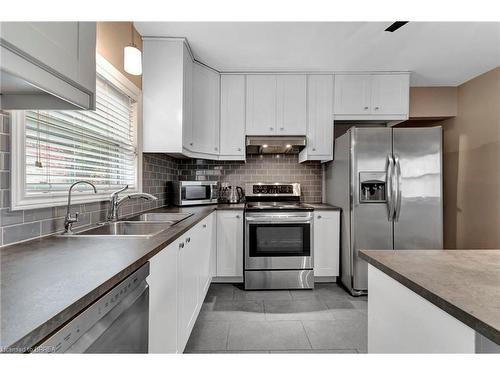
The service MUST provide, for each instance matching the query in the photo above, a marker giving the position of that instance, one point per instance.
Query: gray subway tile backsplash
(158, 171)
(16, 233)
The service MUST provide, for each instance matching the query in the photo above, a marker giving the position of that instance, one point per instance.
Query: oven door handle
(279, 219)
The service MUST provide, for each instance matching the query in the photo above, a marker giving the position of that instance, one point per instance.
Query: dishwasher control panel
(66, 336)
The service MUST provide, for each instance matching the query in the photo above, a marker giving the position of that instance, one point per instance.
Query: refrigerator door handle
(397, 197)
(389, 187)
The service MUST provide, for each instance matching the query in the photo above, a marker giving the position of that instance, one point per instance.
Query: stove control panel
(275, 189)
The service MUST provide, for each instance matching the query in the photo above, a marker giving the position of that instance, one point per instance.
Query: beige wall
(112, 37)
(433, 102)
(472, 166)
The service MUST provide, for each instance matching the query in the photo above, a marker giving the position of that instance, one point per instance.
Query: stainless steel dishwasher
(116, 323)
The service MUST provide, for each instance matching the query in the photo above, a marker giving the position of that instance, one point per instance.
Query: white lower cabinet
(230, 243)
(162, 282)
(179, 279)
(206, 238)
(188, 280)
(326, 243)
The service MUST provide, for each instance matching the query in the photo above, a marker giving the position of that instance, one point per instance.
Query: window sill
(62, 200)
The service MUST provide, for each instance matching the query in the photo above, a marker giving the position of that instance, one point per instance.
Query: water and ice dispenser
(372, 187)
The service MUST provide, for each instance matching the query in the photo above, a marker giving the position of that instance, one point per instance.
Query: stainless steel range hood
(275, 144)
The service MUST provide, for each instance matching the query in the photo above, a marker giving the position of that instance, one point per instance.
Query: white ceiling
(437, 53)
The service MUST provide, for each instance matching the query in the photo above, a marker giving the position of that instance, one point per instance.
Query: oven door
(278, 240)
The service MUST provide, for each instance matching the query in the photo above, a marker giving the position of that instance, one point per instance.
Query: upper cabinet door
(205, 110)
(232, 115)
(261, 104)
(187, 99)
(352, 94)
(320, 115)
(291, 104)
(390, 93)
(57, 57)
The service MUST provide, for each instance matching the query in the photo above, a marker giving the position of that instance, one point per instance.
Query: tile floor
(324, 320)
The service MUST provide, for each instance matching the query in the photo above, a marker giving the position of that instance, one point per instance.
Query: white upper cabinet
(319, 118)
(205, 137)
(390, 94)
(187, 101)
(352, 94)
(232, 116)
(261, 104)
(166, 92)
(48, 65)
(291, 104)
(377, 96)
(276, 104)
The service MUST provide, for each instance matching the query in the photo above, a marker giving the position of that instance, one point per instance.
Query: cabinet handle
(314, 149)
(215, 148)
(377, 108)
(239, 148)
(188, 240)
(271, 128)
(181, 245)
(319, 216)
(366, 108)
(282, 129)
(237, 216)
(204, 225)
(191, 143)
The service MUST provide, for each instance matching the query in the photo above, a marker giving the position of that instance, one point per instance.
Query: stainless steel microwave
(187, 193)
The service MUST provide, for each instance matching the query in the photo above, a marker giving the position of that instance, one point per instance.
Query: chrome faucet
(68, 219)
(115, 201)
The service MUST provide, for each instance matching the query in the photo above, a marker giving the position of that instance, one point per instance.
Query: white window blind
(99, 146)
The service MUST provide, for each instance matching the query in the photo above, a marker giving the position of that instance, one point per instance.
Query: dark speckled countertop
(464, 283)
(46, 282)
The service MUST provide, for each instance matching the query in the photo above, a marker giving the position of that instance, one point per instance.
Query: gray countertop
(464, 283)
(324, 206)
(45, 282)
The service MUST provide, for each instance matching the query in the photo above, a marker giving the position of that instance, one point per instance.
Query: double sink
(144, 226)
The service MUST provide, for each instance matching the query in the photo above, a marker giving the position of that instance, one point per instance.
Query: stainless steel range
(278, 237)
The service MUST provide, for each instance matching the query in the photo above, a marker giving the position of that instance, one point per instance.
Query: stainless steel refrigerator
(388, 182)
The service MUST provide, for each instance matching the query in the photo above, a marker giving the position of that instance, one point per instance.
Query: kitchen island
(433, 301)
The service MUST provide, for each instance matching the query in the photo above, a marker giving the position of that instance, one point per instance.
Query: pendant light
(132, 56)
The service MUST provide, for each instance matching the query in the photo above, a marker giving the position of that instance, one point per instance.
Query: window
(53, 149)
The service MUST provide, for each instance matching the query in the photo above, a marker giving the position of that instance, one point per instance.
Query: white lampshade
(132, 60)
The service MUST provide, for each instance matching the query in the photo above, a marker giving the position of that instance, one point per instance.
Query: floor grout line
(305, 332)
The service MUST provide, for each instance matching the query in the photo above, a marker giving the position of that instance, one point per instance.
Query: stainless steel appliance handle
(279, 219)
(397, 177)
(390, 187)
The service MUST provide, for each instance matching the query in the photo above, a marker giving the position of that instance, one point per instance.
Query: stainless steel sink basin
(125, 229)
(165, 217)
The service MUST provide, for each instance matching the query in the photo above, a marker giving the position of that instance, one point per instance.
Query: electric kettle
(231, 194)
(235, 194)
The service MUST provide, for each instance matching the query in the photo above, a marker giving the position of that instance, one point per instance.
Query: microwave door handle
(397, 189)
(389, 179)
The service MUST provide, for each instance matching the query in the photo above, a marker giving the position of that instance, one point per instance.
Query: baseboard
(325, 279)
(227, 279)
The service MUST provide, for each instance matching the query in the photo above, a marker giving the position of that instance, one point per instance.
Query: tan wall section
(472, 166)
(112, 37)
(428, 102)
